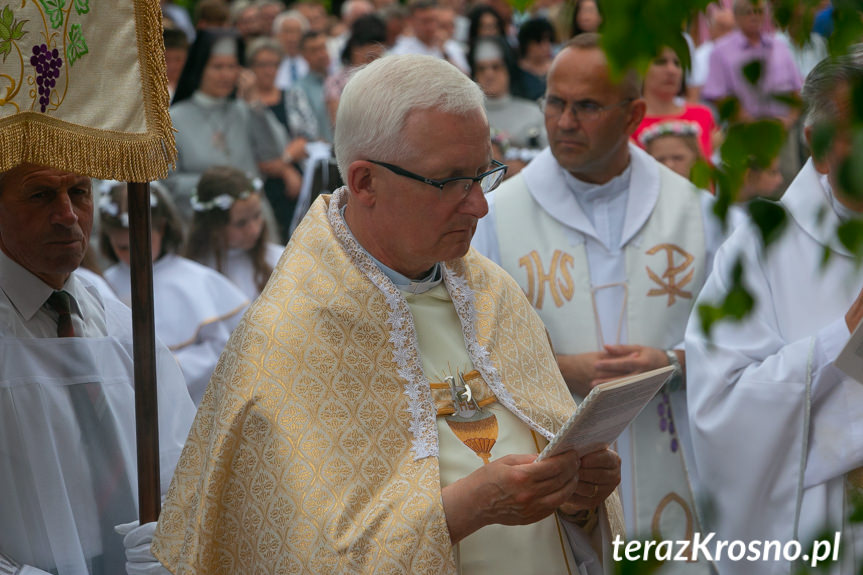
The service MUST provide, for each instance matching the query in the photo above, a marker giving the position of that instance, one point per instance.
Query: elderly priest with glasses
(381, 405)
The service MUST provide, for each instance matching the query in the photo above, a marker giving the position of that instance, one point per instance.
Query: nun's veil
(199, 54)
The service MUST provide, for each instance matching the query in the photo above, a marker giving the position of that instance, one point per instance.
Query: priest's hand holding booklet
(607, 410)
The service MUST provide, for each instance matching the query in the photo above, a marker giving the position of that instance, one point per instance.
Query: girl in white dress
(195, 308)
(229, 232)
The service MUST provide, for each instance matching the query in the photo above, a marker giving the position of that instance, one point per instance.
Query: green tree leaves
(752, 71)
(769, 217)
(737, 304)
(847, 25)
(633, 33)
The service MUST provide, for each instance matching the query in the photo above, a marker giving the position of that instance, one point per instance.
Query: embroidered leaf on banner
(10, 30)
(77, 47)
(6, 23)
(82, 6)
(54, 11)
(18, 30)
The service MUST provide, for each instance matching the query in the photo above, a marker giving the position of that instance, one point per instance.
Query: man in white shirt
(720, 22)
(288, 29)
(307, 93)
(610, 247)
(427, 39)
(350, 11)
(765, 396)
(67, 428)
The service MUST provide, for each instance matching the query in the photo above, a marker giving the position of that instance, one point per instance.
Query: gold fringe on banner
(31, 137)
(151, 55)
(96, 153)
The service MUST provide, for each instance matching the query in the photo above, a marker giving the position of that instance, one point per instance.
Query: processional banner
(83, 88)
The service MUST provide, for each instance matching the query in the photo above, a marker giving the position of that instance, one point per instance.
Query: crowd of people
(361, 351)
(262, 81)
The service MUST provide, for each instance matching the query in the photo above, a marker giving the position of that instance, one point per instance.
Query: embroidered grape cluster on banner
(37, 56)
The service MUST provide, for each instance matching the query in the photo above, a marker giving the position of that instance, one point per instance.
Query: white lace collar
(403, 336)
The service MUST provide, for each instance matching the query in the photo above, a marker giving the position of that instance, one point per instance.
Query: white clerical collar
(208, 101)
(591, 192)
(613, 194)
(842, 211)
(401, 281)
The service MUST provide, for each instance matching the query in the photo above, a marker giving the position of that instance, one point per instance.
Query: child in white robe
(195, 308)
(229, 231)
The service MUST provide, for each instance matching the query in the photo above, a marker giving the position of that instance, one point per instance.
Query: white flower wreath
(224, 201)
(109, 207)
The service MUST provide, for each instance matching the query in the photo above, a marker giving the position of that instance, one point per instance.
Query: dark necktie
(112, 489)
(60, 301)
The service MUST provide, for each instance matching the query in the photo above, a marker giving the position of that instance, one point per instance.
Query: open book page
(605, 413)
(850, 359)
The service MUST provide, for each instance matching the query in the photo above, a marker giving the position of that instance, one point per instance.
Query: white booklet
(605, 413)
(850, 359)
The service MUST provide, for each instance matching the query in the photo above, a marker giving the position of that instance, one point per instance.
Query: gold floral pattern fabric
(314, 449)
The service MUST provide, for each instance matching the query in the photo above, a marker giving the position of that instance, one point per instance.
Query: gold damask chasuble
(315, 447)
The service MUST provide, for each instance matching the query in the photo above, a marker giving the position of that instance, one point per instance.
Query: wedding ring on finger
(595, 490)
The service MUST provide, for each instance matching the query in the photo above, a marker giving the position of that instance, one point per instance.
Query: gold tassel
(38, 139)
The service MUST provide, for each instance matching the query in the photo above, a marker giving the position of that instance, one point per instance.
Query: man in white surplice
(67, 422)
(610, 248)
(766, 397)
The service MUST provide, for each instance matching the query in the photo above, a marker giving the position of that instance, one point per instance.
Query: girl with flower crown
(673, 143)
(229, 231)
(195, 308)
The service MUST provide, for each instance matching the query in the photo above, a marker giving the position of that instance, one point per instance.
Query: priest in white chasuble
(381, 405)
(767, 394)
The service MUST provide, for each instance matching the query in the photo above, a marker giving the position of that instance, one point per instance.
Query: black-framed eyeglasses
(583, 110)
(458, 187)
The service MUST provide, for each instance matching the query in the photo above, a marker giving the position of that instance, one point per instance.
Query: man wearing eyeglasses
(381, 405)
(610, 247)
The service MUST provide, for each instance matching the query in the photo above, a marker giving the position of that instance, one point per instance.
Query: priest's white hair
(819, 90)
(379, 98)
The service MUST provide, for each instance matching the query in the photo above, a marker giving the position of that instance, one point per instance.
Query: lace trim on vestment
(464, 301)
(403, 336)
